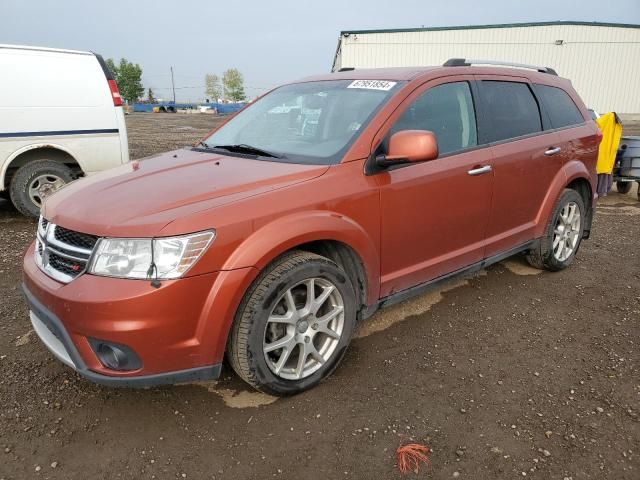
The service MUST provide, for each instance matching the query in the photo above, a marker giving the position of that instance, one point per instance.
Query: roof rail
(463, 62)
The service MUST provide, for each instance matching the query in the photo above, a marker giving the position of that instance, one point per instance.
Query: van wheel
(624, 187)
(34, 182)
(294, 324)
(563, 235)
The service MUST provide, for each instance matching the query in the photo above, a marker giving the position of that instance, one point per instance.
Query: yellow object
(611, 132)
(156, 109)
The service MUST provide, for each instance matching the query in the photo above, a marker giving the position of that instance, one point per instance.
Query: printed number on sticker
(372, 84)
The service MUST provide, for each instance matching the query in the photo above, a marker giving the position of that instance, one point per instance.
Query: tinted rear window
(559, 105)
(511, 111)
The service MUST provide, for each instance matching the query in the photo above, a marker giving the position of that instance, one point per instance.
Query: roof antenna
(153, 269)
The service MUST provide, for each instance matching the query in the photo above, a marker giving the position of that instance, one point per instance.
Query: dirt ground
(506, 374)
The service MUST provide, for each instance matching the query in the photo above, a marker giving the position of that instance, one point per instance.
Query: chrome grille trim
(60, 260)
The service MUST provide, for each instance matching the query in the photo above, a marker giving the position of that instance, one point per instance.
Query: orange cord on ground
(410, 457)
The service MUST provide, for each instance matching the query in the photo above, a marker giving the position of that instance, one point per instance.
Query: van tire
(26, 175)
(542, 255)
(246, 343)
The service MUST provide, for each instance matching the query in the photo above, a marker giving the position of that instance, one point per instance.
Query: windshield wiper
(244, 148)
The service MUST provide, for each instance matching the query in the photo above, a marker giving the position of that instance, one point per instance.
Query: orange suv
(319, 203)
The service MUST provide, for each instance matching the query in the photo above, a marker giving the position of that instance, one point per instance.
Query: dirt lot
(155, 133)
(506, 374)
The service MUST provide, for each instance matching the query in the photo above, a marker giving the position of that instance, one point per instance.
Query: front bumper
(177, 331)
(55, 337)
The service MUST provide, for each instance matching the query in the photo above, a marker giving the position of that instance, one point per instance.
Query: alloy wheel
(303, 329)
(566, 232)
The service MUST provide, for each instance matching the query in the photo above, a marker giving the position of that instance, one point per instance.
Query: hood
(141, 197)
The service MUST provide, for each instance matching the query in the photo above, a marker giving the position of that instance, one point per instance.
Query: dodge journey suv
(319, 203)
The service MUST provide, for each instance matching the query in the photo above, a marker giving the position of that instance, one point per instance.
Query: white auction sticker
(383, 85)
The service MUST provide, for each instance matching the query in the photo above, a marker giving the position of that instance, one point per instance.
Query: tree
(213, 88)
(151, 96)
(233, 84)
(128, 76)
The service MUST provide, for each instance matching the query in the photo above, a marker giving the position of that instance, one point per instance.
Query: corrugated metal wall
(603, 62)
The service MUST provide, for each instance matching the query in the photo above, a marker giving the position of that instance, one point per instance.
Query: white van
(61, 118)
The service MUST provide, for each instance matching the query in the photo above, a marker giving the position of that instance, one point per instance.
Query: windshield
(312, 123)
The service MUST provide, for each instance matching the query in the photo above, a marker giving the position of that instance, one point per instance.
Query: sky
(269, 41)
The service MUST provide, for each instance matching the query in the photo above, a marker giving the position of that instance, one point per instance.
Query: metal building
(601, 59)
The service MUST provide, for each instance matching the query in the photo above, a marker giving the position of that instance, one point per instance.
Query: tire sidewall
(566, 197)
(258, 320)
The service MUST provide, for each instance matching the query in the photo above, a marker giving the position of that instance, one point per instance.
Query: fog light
(115, 356)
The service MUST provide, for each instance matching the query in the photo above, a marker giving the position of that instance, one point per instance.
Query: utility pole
(173, 87)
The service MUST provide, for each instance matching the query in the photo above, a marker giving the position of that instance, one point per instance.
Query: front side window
(309, 123)
(447, 111)
(558, 104)
(511, 111)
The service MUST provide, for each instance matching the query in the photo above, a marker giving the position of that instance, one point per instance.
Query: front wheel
(34, 182)
(558, 247)
(294, 324)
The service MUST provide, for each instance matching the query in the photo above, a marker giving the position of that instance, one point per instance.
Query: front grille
(76, 239)
(61, 253)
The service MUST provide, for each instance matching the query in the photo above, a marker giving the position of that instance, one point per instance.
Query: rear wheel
(624, 187)
(34, 182)
(558, 247)
(294, 324)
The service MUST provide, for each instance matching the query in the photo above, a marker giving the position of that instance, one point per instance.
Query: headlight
(162, 258)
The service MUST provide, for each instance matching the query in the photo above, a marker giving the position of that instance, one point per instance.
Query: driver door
(434, 214)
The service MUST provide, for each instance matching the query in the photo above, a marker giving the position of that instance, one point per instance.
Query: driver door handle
(552, 151)
(479, 170)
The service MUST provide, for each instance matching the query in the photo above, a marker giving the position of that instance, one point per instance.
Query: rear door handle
(552, 151)
(479, 171)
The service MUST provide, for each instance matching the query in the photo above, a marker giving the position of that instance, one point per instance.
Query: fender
(285, 233)
(35, 146)
(570, 171)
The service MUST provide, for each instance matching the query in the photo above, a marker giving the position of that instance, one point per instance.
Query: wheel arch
(38, 151)
(329, 234)
(583, 187)
(347, 258)
(573, 175)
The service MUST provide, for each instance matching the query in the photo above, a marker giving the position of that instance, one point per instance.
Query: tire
(548, 255)
(624, 187)
(48, 174)
(254, 330)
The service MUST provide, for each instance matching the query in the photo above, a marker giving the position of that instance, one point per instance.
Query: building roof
(498, 25)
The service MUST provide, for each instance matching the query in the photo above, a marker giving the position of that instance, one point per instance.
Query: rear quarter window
(511, 111)
(561, 109)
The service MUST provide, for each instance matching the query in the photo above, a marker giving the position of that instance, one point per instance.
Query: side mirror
(410, 146)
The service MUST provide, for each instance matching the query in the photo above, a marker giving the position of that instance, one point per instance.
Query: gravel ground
(506, 374)
(156, 133)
